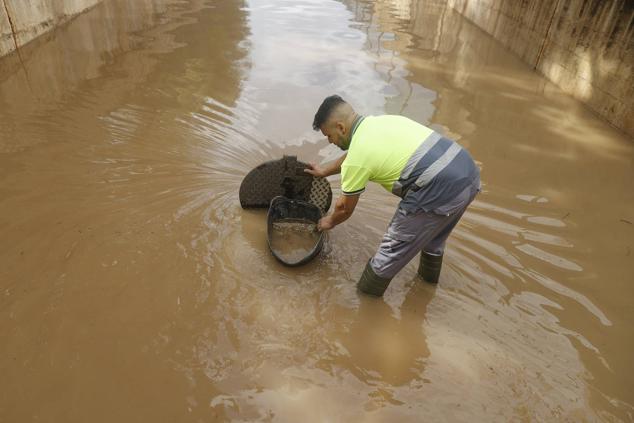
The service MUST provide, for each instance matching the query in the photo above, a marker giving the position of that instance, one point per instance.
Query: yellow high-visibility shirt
(379, 150)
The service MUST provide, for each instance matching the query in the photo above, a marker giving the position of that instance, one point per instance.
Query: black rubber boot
(372, 284)
(429, 267)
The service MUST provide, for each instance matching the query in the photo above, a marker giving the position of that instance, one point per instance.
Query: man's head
(335, 118)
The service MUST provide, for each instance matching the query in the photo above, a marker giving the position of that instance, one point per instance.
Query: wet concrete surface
(133, 287)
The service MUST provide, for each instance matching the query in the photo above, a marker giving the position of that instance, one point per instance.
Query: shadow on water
(385, 346)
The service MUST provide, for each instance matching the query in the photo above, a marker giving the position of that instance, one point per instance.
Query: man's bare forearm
(339, 216)
(334, 168)
(344, 207)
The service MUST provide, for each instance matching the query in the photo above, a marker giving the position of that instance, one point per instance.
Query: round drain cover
(284, 177)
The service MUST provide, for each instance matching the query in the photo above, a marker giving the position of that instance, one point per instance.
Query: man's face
(336, 134)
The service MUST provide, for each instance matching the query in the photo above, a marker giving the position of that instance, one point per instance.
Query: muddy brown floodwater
(134, 288)
(293, 239)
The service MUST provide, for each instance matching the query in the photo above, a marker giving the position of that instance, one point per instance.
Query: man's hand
(325, 223)
(315, 170)
(326, 170)
(343, 210)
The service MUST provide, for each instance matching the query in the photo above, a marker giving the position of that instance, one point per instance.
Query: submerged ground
(133, 287)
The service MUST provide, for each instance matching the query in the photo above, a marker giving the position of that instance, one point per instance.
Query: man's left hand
(325, 223)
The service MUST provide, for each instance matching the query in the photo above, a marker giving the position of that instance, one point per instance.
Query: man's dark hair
(326, 108)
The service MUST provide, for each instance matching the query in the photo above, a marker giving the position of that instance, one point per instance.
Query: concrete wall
(55, 65)
(586, 47)
(23, 20)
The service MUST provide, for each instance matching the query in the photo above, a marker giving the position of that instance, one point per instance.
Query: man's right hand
(315, 170)
(327, 170)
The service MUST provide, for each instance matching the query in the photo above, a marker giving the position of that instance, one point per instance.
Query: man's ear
(341, 127)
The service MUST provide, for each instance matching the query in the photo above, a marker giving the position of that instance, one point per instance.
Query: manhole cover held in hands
(284, 177)
(292, 231)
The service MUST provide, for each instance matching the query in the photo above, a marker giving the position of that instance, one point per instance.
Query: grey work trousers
(409, 233)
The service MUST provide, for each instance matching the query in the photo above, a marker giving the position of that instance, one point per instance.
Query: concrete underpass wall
(23, 20)
(586, 47)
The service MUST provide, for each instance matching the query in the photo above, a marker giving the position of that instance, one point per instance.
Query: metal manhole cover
(284, 177)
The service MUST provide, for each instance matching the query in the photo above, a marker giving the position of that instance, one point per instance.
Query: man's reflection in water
(386, 350)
